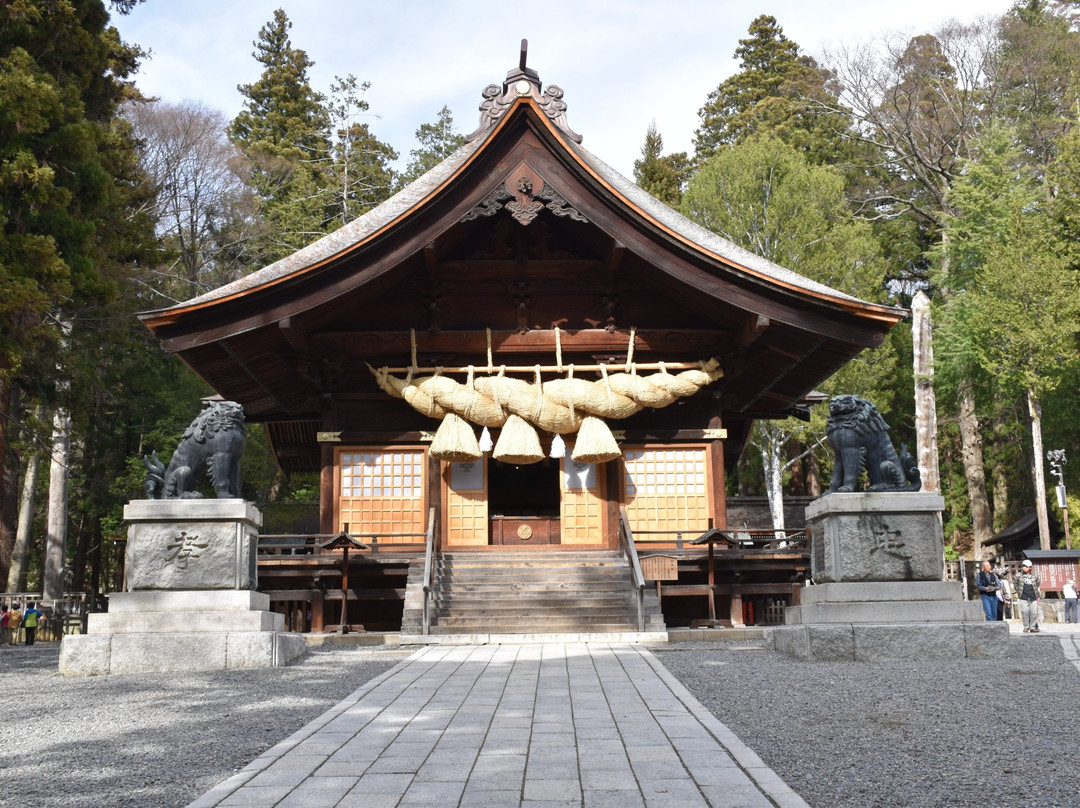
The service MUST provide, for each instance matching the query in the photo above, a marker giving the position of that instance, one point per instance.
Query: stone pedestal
(871, 536)
(877, 561)
(191, 544)
(191, 605)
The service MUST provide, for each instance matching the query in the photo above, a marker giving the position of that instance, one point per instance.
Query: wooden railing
(744, 538)
(629, 549)
(308, 543)
(429, 570)
(64, 616)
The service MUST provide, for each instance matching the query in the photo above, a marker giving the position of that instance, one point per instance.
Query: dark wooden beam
(372, 344)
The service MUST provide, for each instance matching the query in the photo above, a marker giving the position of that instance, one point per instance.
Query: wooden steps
(579, 591)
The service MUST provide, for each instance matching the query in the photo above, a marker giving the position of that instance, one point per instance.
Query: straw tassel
(455, 441)
(485, 441)
(595, 443)
(518, 443)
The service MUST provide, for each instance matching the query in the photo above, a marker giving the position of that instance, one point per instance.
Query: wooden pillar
(736, 610)
(712, 586)
(612, 498)
(434, 495)
(715, 459)
(317, 617)
(326, 489)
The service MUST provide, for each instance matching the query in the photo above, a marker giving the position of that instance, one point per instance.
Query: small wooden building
(518, 263)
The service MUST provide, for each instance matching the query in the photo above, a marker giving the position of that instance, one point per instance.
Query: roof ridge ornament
(522, 81)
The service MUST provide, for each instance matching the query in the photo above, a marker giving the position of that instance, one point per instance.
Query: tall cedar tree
(777, 91)
(438, 140)
(1037, 76)
(73, 226)
(663, 176)
(282, 131)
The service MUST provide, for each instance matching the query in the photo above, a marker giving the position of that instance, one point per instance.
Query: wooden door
(466, 523)
(582, 503)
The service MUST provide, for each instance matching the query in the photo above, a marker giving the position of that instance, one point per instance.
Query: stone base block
(190, 622)
(882, 591)
(907, 611)
(188, 600)
(869, 642)
(93, 655)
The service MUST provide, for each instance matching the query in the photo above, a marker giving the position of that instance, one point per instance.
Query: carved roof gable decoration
(522, 81)
(524, 193)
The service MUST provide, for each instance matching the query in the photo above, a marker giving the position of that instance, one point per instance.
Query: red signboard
(1054, 574)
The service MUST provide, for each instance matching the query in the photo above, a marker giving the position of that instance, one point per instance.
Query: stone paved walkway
(505, 725)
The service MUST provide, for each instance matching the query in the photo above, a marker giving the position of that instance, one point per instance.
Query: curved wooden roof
(520, 229)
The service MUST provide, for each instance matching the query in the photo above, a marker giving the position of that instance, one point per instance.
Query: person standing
(987, 584)
(1005, 594)
(14, 621)
(5, 619)
(30, 623)
(1069, 593)
(1026, 586)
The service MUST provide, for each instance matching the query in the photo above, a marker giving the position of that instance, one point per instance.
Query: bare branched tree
(202, 205)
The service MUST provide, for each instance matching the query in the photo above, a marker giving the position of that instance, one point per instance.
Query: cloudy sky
(621, 63)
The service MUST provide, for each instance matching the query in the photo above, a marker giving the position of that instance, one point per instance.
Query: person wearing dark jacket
(987, 584)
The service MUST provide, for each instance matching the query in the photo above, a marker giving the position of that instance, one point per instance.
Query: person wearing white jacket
(1069, 593)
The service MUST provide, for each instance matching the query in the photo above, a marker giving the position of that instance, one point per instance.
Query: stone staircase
(535, 592)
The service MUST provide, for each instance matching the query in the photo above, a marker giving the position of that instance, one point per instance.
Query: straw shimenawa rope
(555, 406)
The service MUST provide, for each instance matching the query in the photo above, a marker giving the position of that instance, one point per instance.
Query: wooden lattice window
(667, 489)
(382, 492)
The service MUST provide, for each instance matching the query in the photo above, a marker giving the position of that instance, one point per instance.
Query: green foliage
(282, 131)
(1005, 264)
(1039, 63)
(663, 176)
(765, 196)
(438, 140)
(65, 174)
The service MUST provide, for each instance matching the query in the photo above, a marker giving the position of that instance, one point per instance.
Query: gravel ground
(893, 734)
(154, 740)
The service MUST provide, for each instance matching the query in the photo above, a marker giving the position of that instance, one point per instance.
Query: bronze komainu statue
(859, 438)
(213, 443)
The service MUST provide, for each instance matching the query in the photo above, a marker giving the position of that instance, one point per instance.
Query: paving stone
(530, 725)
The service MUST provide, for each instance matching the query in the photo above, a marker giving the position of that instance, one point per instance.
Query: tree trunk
(9, 498)
(1035, 411)
(56, 521)
(926, 444)
(771, 444)
(971, 451)
(999, 475)
(84, 535)
(16, 580)
(813, 476)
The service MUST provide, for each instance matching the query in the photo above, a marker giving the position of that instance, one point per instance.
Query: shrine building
(519, 350)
